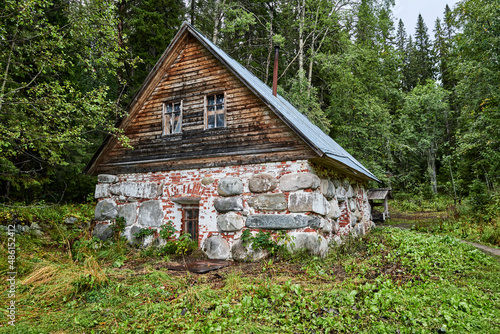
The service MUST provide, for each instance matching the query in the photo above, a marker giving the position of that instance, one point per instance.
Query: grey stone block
(326, 226)
(230, 222)
(103, 231)
(102, 191)
(308, 202)
(129, 212)
(230, 186)
(207, 180)
(327, 189)
(246, 253)
(216, 248)
(270, 202)
(135, 189)
(341, 193)
(314, 243)
(105, 210)
(354, 220)
(335, 227)
(334, 212)
(223, 205)
(294, 182)
(261, 183)
(129, 234)
(107, 178)
(350, 192)
(279, 222)
(150, 214)
(317, 222)
(352, 204)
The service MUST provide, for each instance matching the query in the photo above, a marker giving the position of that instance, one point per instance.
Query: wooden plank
(253, 133)
(207, 162)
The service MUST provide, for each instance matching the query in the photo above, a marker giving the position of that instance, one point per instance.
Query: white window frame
(167, 119)
(205, 113)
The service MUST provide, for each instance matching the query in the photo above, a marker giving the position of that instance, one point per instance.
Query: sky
(408, 11)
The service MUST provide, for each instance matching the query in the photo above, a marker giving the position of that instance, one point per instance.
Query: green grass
(464, 220)
(390, 281)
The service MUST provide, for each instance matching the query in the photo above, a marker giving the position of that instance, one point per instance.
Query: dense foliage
(420, 111)
(387, 282)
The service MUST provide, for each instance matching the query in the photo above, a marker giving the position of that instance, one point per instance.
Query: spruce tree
(440, 50)
(148, 26)
(401, 37)
(422, 58)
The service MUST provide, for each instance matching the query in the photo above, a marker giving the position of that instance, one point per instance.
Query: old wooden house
(215, 153)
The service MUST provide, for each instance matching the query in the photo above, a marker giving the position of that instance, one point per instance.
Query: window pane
(177, 107)
(220, 119)
(211, 121)
(220, 98)
(169, 108)
(220, 106)
(166, 125)
(211, 100)
(210, 108)
(177, 126)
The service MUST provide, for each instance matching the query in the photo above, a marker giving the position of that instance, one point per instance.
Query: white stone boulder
(150, 214)
(308, 202)
(129, 212)
(246, 253)
(147, 190)
(294, 182)
(327, 189)
(261, 183)
(230, 222)
(106, 210)
(314, 243)
(216, 248)
(334, 212)
(230, 186)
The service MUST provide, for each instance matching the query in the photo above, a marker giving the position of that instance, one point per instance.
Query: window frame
(185, 223)
(205, 110)
(164, 114)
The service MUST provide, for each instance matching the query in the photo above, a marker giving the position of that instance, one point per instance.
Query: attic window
(215, 111)
(172, 118)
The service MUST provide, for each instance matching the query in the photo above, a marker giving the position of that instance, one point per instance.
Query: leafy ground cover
(390, 281)
(465, 220)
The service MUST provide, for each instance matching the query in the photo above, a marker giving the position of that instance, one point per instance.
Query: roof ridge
(298, 121)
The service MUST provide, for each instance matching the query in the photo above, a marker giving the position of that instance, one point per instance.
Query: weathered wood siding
(253, 134)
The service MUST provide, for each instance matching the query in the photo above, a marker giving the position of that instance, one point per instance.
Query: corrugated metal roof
(286, 111)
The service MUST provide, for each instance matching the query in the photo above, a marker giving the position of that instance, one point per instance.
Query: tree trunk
(6, 74)
(270, 51)
(192, 11)
(302, 10)
(431, 162)
(219, 8)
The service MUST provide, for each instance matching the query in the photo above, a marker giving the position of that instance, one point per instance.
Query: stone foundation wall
(273, 196)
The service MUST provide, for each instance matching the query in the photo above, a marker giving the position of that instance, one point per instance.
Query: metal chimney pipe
(275, 71)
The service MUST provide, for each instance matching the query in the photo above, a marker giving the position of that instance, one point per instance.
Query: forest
(418, 106)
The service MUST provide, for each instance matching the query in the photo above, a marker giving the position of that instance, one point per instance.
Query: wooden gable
(253, 132)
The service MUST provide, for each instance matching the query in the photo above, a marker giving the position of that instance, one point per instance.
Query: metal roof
(312, 134)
